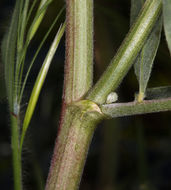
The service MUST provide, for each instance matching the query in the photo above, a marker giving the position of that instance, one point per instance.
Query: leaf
(8, 55)
(22, 25)
(144, 61)
(167, 21)
(38, 18)
(37, 52)
(40, 81)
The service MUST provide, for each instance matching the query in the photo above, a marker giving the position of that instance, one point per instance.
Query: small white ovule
(111, 98)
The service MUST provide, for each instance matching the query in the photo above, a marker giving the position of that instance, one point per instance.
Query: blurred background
(130, 153)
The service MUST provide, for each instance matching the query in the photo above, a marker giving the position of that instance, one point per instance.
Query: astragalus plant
(84, 104)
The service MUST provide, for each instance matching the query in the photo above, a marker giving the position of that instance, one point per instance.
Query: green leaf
(8, 55)
(22, 25)
(38, 18)
(36, 54)
(167, 21)
(39, 82)
(144, 61)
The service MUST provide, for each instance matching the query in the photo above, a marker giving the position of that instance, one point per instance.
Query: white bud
(112, 97)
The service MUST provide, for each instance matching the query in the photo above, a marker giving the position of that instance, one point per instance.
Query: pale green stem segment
(72, 145)
(161, 92)
(135, 108)
(127, 53)
(39, 82)
(16, 153)
(79, 49)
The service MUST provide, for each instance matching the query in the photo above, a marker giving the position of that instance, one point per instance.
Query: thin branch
(135, 108)
(127, 53)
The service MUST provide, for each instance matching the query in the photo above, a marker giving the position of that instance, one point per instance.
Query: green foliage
(81, 115)
(167, 22)
(144, 61)
(39, 82)
(127, 53)
(14, 50)
(8, 55)
(38, 18)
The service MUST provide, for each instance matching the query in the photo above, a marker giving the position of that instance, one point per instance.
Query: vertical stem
(77, 124)
(72, 146)
(16, 153)
(79, 49)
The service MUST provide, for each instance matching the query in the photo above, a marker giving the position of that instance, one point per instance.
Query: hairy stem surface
(135, 108)
(72, 145)
(78, 119)
(16, 153)
(79, 49)
(127, 53)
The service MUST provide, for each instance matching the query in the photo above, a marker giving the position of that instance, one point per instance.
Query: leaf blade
(39, 82)
(144, 62)
(167, 23)
(37, 52)
(38, 18)
(8, 55)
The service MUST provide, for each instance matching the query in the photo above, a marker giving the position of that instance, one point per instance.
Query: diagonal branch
(127, 53)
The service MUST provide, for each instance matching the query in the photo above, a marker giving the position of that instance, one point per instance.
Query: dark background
(126, 153)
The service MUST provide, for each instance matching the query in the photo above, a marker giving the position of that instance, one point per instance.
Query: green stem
(72, 145)
(135, 108)
(16, 153)
(79, 49)
(127, 53)
(78, 120)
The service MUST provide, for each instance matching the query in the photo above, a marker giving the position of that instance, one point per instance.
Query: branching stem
(135, 108)
(127, 53)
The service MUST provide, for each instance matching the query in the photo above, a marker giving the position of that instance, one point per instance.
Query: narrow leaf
(37, 52)
(8, 55)
(38, 18)
(144, 61)
(22, 25)
(167, 21)
(39, 82)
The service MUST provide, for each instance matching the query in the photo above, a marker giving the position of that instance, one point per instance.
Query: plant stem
(72, 145)
(135, 108)
(79, 49)
(16, 153)
(79, 119)
(127, 53)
